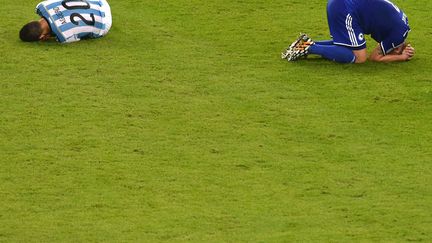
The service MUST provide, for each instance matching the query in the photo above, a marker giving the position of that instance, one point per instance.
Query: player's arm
(402, 53)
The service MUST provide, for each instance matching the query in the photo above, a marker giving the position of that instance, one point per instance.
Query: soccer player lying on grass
(69, 21)
(349, 21)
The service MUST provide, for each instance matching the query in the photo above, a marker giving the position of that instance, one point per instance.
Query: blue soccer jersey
(350, 20)
(73, 20)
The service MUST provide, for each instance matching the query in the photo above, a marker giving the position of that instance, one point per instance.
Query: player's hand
(408, 52)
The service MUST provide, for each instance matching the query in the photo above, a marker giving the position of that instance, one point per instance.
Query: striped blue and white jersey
(73, 20)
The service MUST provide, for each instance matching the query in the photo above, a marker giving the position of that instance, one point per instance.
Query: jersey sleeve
(397, 36)
(393, 41)
(39, 10)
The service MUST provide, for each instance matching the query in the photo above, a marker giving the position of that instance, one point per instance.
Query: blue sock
(333, 52)
(324, 42)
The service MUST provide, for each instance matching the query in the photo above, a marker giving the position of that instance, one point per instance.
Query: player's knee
(360, 56)
(360, 59)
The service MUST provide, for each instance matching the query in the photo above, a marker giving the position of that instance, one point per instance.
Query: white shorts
(107, 20)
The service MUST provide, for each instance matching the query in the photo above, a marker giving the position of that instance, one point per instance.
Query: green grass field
(183, 124)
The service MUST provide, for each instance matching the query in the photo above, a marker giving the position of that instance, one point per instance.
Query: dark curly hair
(31, 31)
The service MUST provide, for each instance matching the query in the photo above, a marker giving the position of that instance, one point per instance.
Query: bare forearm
(387, 58)
(403, 53)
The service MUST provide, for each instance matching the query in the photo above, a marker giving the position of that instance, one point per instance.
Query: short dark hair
(31, 31)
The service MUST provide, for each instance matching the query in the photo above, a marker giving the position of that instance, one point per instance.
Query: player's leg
(324, 42)
(327, 49)
(333, 52)
(347, 38)
(347, 35)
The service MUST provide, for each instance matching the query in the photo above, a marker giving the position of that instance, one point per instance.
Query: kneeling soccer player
(69, 21)
(349, 21)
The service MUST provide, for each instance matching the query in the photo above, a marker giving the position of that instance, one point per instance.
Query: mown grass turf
(183, 125)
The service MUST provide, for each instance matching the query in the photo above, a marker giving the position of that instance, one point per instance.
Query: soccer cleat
(298, 49)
